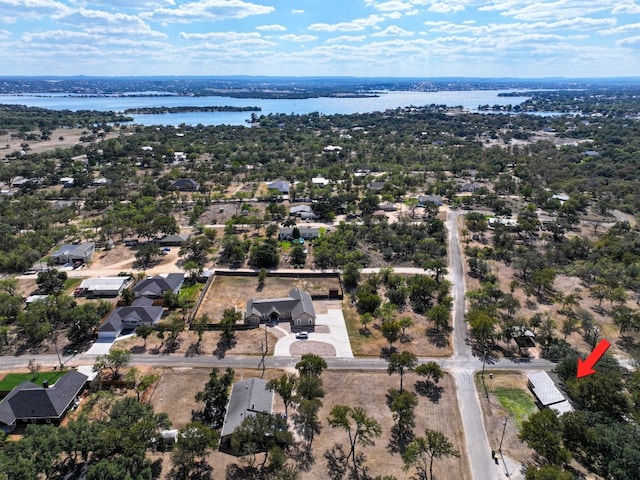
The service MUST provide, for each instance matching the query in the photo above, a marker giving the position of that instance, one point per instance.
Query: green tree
(298, 255)
(51, 282)
(547, 472)
(439, 315)
(431, 372)
(542, 432)
(147, 254)
(264, 254)
(391, 332)
(215, 397)
(190, 451)
(351, 275)
(402, 406)
(143, 331)
(422, 451)
(139, 382)
(360, 428)
(284, 386)
(115, 360)
(311, 364)
(399, 362)
(228, 322)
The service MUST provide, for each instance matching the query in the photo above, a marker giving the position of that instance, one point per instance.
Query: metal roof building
(547, 393)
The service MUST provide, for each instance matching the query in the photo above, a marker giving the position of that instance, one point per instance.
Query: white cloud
(630, 27)
(356, 25)
(393, 31)
(208, 10)
(393, 15)
(392, 6)
(272, 28)
(557, 9)
(443, 7)
(297, 12)
(229, 39)
(14, 10)
(347, 38)
(298, 38)
(629, 41)
(4, 34)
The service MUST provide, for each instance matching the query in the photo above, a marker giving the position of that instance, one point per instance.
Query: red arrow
(585, 367)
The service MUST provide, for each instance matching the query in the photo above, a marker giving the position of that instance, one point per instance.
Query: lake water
(387, 100)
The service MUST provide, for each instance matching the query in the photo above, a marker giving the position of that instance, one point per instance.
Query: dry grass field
(176, 389)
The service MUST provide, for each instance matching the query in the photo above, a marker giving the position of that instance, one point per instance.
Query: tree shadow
(156, 469)
(336, 462)
(138, 349)
(194, 350)
(386, 352)
(400, 438)
(429, 390)
(302, 454)
(200, 470)
(439, 338)
(223, 346)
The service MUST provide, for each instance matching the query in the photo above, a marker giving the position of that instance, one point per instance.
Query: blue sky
(415, 38)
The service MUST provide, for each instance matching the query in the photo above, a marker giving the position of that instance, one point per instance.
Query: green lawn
(190, 293)
(71, 283)
(516, 402)
(12, 380)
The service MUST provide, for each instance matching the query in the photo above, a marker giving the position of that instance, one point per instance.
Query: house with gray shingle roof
(156, 286)
(297, 309)
(29, 403)
(248, 398)
(282, 186)
(71, 253)
(140, 312)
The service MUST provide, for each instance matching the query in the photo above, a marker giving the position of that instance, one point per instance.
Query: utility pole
(504, 428)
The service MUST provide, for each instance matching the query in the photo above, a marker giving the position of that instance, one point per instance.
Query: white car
(302, 335)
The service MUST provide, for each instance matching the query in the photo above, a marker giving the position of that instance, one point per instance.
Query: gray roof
(156, 286)
(104, 283)
(298, 302)
(175, 238)
(304, 231)
(282, 185)
(562, 407)
(186, 184)
(28, 400)
(544, 388)
(80, 250)
(139, 312)
(437, 199)
(247, 397)
(300, 209)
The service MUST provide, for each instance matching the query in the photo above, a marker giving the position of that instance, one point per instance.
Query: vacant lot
(510, 400)
(176, 389)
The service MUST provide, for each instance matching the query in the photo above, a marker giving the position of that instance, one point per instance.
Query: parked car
(302, 335)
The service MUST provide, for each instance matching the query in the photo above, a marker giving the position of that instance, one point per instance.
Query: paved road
(464, 367)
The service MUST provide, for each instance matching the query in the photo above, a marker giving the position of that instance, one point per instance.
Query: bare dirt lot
(70, 137)
(176, 389)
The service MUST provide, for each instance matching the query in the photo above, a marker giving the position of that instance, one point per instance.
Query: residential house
(470, 187)
(29, 403)
(140, 312)
(248, 398)
(173, 240)
(72, 253)
(297, 309)
(282, 186)
(104, 286)
(308, 233)
(156, 286)
(186, 185)
(299, 209)
(434, 199)
(376, 186)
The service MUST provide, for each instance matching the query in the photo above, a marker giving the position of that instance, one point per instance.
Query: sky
(364, 38)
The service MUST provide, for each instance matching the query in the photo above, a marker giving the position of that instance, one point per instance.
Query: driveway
(337, 336)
